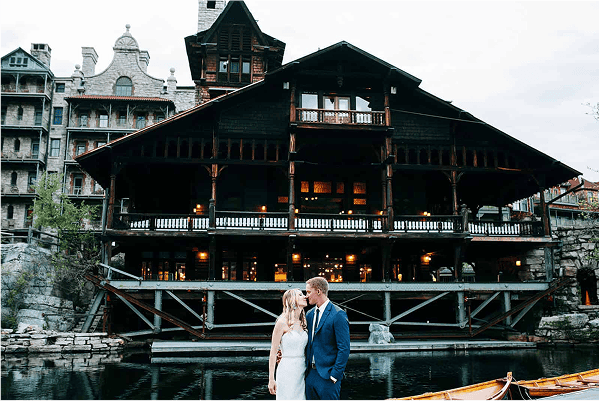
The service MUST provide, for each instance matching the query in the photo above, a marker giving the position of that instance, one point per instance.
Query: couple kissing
(313, 347)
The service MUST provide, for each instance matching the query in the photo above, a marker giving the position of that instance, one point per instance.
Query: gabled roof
(236, 11)
(41, 67)
(241, 8)
(97, 161)
(345, 49)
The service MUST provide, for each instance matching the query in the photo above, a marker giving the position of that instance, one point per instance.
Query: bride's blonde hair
(289, 305)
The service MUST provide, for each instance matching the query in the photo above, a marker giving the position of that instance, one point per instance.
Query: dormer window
(18, 61)
(124, 87)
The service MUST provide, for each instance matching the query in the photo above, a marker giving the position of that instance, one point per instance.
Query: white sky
(527, 68)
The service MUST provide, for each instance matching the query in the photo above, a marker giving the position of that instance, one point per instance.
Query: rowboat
(547, 387)
(489, 390)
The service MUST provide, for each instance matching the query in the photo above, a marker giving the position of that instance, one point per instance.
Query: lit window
(359, 201)
(340, 187)
(305, 186)
(360, 188)
(283, 199)
(322, 187)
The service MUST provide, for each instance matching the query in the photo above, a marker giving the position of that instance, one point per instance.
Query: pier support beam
(157, 305)
(387, 306)
(461, 313)
(210, 310)
(507, 305)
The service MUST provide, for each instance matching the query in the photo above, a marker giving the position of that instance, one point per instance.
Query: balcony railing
(341, 117)
(439, 224)
(341, 222)
(507, 228)
(356, 223)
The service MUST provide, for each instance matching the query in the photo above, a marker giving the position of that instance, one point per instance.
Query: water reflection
(368, 376)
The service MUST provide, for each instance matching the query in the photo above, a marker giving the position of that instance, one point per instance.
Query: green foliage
(79, 249)
(14, 299)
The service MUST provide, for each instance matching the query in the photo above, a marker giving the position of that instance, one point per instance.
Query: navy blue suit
(330, 348)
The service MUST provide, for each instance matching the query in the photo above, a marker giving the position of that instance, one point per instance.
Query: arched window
(124, 87)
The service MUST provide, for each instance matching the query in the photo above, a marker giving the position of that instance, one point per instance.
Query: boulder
(564, 322)
(379, 334)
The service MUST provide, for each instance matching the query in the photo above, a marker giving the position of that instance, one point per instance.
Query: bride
(291, 336)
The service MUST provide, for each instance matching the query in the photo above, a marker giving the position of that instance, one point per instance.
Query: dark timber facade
(336, 164)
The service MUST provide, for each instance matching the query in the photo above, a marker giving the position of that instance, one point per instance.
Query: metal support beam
(184, 305)
(389, 322)
(210, 310)
(138, 313)
(158, 306)
(461, 312)
(172, 319)
(485, 303)
(387, 306)
(251, 304)
(524, 312)
(507, 305)
(93, 310)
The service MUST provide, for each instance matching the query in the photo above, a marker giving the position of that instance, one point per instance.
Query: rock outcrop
(28, 293)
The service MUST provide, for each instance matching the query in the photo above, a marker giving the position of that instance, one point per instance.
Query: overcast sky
(526, 68)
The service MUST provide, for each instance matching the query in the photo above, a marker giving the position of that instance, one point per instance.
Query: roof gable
(236, 12)
(350, 59)
(15, 60)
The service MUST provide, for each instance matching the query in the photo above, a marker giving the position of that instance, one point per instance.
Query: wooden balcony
(349, 117)
(312, 222)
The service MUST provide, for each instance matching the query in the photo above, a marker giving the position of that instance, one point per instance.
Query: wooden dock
(180, 351)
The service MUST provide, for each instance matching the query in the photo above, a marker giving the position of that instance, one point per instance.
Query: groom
(328, 343)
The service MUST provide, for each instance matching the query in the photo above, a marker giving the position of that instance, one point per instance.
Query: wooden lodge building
(336, 164)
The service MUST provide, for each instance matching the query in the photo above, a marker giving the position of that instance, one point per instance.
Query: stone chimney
(144, 60)
(209, 12)
(42, 52)
(90, 58)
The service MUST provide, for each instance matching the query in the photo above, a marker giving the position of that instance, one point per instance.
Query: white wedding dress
(291, 371)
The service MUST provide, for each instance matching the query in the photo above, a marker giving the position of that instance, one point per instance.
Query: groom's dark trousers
(318, 388)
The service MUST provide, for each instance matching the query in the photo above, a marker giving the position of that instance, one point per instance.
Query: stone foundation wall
(43, 341)
(579, 327)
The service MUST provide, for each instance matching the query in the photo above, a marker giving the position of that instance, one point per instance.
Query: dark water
(368, 376)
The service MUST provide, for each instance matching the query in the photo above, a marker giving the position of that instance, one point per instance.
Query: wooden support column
(389, 158)
(291, 174)
(157, 305)
(386, 249)
(457, 262)
(212, 259)
(290, 251)
(110, 216)
(544, 216)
